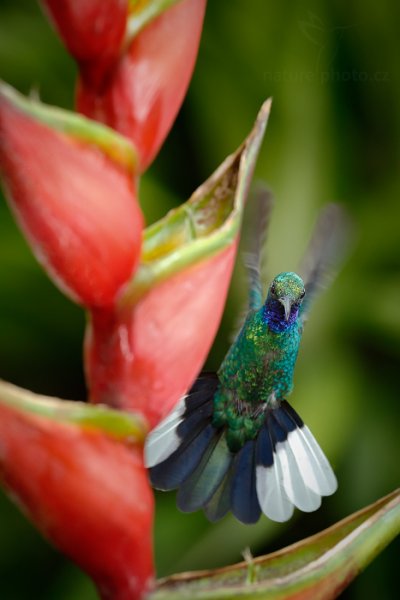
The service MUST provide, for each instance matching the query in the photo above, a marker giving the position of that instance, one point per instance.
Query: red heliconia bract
(76, 205)
(93, 31)
(146, 90)
(145, 353)
(87, 493)
(145, 356)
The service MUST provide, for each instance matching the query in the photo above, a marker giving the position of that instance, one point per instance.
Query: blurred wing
(257, 235)
(327, 248)
(254, 240)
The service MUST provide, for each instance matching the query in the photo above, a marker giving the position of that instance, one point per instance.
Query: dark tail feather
(220, 503)
(202, 484)
(282, 468)
(244, 500)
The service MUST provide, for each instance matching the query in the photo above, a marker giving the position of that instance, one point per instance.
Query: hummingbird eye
(273, 289)
(303, 293)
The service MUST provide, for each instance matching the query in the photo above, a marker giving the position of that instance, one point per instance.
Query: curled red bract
(87, 493)
(76, 205)
(147, 87)
(144, 353)
(93, 31)
(144, 357)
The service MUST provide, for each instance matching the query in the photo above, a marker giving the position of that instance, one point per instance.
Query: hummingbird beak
(287, 305)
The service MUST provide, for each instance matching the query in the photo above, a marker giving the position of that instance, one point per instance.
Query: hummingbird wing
(254, 237)
(326, 249)
(253, 257)
(281, 468)
(185, 441)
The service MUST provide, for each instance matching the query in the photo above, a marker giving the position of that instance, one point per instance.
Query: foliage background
(333, 70)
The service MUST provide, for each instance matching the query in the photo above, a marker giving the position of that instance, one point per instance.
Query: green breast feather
(257, 371)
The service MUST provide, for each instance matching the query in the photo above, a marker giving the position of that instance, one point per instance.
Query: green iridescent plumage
(258, 369)
(234, 443)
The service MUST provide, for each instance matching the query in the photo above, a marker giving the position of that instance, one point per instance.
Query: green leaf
(317, 568)
(208, 222)
(115, 423)
(116, 146)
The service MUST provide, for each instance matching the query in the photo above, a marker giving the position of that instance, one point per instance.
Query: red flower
(77, 470)
(144, 354)
(146, 89)
(70, 183)
(78, 475)
(93, 32)
(144, 357)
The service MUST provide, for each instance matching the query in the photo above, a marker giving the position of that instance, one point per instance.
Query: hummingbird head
(285, 295)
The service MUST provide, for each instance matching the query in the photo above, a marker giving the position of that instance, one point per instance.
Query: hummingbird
(233, 442)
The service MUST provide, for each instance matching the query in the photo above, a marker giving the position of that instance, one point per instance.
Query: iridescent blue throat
(274, 315)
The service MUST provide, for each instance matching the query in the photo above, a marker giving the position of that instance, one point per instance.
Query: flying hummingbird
(234, 442)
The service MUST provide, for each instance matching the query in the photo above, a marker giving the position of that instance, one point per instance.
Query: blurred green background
(332, 68)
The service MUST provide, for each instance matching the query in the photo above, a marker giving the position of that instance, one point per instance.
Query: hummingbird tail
(292, 470)
(282, 467)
